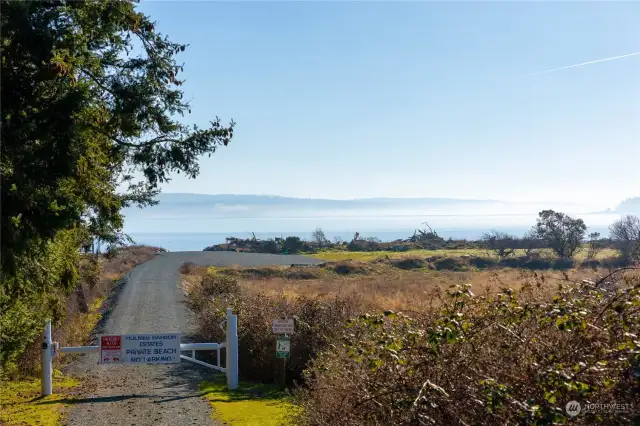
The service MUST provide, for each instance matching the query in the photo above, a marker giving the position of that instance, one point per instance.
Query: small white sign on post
(283, 347)
(282, 326)
(152, 348)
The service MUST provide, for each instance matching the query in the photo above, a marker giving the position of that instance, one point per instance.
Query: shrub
(37, 292)
(301, 274)
(213, 285)
(505, 358)
(499, 243)
(347, 268)
(483, 262)
(563, 263)
(187, 268)
(315, 320)
(293, 244)
(561, 232)
(451, 264)
(626, 233)
(409, 263)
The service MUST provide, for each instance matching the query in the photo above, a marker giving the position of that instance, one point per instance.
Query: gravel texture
(150, 300)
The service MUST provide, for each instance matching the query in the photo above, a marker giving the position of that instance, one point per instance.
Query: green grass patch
(251, 404)
(21, 403)
(367, 256)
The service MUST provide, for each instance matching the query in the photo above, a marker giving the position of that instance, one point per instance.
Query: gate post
(46, 379)
(232, 350)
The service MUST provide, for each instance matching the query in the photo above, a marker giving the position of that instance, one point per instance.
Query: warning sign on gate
(110, 349)
(155, 348)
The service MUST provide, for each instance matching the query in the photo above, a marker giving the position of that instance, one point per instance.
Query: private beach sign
(152, 348)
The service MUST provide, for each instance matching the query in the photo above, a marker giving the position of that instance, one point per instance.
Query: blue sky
(388, 99)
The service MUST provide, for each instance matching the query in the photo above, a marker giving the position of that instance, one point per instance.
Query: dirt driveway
(152, 301)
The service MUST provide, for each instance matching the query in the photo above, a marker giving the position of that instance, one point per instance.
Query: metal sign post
(283, 328)
(283, 351)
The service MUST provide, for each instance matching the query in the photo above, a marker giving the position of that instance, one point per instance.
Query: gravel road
(152, 301)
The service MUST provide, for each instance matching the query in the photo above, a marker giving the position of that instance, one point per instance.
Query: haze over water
(188, 222)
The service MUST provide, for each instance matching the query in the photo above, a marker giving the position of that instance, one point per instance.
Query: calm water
(193, 222)
(181, 226)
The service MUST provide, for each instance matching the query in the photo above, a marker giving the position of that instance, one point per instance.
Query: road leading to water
(152, 301)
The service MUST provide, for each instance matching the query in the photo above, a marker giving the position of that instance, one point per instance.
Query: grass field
(379, 286)
(339, 255)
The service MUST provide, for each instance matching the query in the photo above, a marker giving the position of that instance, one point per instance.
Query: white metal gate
(51, 349)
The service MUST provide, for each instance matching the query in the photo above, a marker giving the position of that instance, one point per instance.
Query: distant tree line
(564, 235)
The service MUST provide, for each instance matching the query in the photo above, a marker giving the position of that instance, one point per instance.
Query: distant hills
(185, 205)
(201, 213)
(168, 200)
(629, 206)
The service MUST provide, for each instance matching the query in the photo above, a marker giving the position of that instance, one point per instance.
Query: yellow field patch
(364, 256)
(249, 405)
(21, 403)
(338, 255)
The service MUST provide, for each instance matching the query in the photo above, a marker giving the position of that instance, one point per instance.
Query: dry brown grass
(322, 298)
(111, 271)
(389, 343)
(126, 260)
(381, 286)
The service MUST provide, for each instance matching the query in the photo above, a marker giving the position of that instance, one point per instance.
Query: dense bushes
(494, 359)
(38, 291)
(288, 245)
(315, 320)
(465, 263)
(500, 357)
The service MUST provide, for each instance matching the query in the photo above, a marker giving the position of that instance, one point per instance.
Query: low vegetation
(555, 234)
(502, 357)
(22, 404)
(605, 255)
(252, 404)
(397, 341)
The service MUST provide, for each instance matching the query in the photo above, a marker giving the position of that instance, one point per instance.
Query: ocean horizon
(191, 222)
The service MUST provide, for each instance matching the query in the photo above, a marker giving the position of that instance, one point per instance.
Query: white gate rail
(51, 349)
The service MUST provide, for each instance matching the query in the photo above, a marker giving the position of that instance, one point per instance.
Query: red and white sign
(110, 349)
